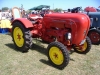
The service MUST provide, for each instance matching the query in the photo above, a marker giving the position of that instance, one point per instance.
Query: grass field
(35, 61)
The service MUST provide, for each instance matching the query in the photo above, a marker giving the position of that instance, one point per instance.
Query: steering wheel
(76, 10)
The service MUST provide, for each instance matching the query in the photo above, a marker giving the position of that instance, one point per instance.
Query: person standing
(0, 15)
(24, 15)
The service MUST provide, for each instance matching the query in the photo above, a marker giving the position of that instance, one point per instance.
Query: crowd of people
(5, 15)
(5, 21)
(8, 15)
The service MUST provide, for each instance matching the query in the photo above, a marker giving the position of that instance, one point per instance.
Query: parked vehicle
(94, 32)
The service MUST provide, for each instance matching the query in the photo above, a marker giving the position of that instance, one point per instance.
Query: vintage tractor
(62, 31)
(94, 31)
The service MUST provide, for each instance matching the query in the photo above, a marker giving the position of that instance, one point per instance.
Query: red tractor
(63, 31)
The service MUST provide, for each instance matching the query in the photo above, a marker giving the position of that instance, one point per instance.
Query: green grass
(35, 62)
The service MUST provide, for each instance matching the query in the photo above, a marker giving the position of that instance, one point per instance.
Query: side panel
(96, 20)
(24, 21)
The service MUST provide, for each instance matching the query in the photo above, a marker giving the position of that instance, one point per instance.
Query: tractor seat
(34, 17)
(33, 22)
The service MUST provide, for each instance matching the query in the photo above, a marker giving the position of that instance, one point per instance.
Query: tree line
(6, 8)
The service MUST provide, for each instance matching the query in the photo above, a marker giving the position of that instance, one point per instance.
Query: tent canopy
(40, 7)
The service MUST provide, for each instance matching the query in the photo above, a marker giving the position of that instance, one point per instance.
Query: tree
(5, 8)
(57, 9)
(28, 11)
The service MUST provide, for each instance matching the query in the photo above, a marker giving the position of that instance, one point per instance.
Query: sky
(63, 4)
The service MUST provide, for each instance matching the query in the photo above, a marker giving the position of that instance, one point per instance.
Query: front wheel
(85, 48)
(58, 55)
(21, 37)
(94, 36)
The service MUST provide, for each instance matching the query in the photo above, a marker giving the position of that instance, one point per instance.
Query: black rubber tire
(64, 52)
(26, 35)
(88, 41)
(97, 42)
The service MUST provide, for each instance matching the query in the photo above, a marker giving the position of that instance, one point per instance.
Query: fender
(24, 21)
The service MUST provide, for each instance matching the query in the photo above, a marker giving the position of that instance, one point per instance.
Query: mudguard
(24, 21)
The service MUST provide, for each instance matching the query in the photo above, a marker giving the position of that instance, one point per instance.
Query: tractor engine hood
(78, 23)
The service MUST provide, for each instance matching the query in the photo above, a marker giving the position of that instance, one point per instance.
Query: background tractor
(62, 31)
(94, 32)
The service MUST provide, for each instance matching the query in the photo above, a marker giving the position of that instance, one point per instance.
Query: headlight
(68, 36)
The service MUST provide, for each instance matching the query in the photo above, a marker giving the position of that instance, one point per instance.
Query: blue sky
(64, 4)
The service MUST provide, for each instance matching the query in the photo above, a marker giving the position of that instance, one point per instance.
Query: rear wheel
(58, 55)
(94, 36)
(21, 37)
(85, 48)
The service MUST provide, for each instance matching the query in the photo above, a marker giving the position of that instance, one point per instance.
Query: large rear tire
(21, 37)
(58, 55)
(85, 48)
(94, 36)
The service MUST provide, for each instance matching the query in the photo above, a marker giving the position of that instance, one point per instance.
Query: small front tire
(58, 55)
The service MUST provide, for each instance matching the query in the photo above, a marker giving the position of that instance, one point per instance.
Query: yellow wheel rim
(83, 47)
(18, 37)
(56, 55)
